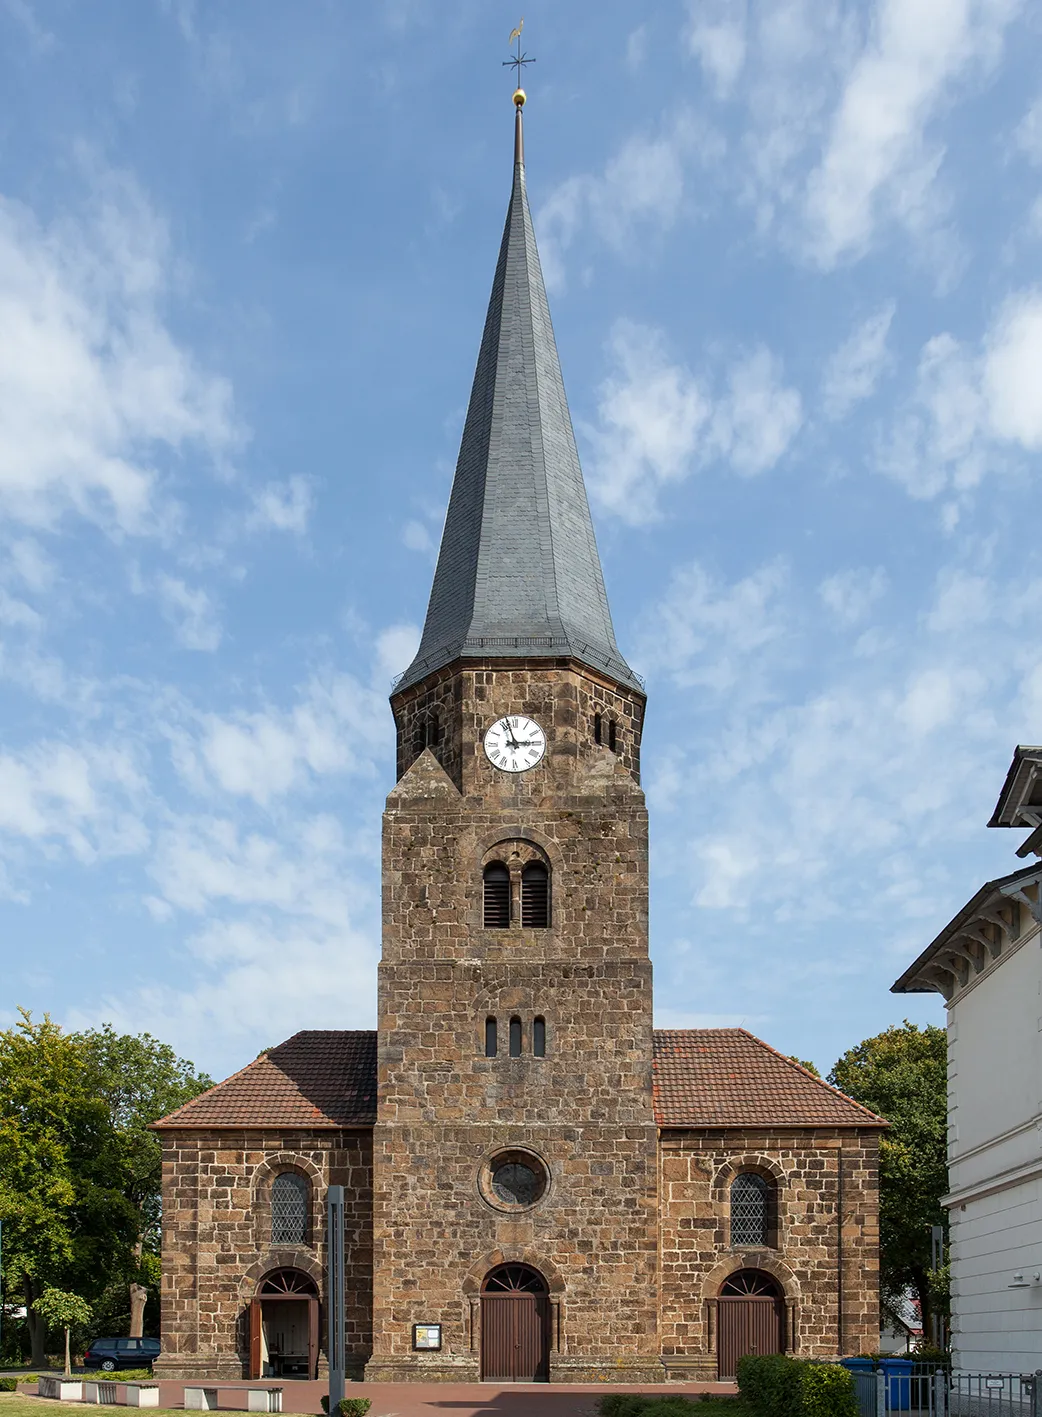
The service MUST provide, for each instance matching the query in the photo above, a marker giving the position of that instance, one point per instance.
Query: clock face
(515, 744)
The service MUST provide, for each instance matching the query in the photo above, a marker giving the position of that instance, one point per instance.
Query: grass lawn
(13, 1404)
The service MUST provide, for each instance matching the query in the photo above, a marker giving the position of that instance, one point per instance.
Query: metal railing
(930, 1390)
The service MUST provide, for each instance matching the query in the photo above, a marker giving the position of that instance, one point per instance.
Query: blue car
(108, 1354)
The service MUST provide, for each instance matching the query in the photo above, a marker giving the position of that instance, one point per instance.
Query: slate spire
(518, 573)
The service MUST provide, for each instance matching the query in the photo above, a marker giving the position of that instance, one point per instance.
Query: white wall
(995, 1163)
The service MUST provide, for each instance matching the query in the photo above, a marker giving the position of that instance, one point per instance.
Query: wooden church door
(515, 1326)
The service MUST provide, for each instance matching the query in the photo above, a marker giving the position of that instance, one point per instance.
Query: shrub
(777, 1386)
(353, 1406)
(8, 1384)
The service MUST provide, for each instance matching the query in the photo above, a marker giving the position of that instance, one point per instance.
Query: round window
(513, 1180)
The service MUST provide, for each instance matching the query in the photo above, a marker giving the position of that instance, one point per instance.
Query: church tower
(515, 1146)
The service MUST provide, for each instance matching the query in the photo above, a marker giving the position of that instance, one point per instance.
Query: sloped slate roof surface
(716, 1077)
(518, 573)
(726, 1077)
(314, 1079)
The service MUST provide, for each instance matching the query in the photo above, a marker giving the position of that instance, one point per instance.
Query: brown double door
(515, 1338)
(748, 1324)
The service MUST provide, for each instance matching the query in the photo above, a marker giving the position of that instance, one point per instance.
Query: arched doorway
(515, 1325)
(750, 1318)
(284, 1326)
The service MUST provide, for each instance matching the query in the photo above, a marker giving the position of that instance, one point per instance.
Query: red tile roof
(704, 1077)
(314, 1079)
(726, 1077)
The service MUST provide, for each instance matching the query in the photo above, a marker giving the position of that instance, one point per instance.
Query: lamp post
(335, 1345)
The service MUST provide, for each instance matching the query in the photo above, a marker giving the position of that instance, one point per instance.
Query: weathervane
(518, 62)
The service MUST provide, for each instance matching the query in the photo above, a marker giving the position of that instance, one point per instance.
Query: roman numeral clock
(515, 743)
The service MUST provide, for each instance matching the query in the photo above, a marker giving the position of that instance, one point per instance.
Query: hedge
(349, 1406)
(8, 1384)
(777, 1386)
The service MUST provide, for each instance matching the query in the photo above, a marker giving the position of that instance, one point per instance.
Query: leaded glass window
(750, 1198)
(289, 1209)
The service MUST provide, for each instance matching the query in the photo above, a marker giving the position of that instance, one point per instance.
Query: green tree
(903, 1075)
(139, 1080)
(62, 1310)
(61, 1201)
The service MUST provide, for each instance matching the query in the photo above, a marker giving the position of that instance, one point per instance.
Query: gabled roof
(727, 1077)
(518, 573)
(711, 1077)
(313, 1080)
(976, 936)
(1020, 801)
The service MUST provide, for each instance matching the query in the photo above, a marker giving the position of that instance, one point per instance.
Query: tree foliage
(903, 1075)
(79, 1171)
(61, 1309)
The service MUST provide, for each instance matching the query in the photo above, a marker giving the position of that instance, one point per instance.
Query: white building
(987, 963)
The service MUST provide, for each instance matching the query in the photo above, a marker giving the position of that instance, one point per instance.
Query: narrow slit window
(597, 727)
(535, 896)
(433, 731)
(497, 896)
(515, 1038)
(612, 736)
(539, 1037)
(491, 1038)
(420, 736)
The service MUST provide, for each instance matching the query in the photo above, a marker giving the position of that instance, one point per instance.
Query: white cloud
(417, 537)
(1013, 371)
(282, 506)
(93, 387)
(853, 371)
(635, 198)
(716, 38)
(190, 612)
(850, 595)
(656, 421)
(1029, 133)
(877, 159)
(82, 798)
(968, 408)
(757, 419)
(650, 415)
(709, 635)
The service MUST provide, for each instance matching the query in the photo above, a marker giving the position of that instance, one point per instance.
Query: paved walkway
(443, 1399)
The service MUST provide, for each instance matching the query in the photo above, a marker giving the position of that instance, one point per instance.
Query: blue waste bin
(898, 1373)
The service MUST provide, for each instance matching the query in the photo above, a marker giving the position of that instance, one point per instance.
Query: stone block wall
(826, 1253)
(217, 1239)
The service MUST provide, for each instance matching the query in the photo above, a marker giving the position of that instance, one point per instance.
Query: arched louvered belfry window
(751, 1196)
(289, 1209)
(535, 896)
(497, 896)
(515, 1038)
(491, 1037)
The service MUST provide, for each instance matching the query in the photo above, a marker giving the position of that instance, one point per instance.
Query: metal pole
(335, 1345)
(880, 1394)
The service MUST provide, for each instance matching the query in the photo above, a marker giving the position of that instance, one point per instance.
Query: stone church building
(538, 1184)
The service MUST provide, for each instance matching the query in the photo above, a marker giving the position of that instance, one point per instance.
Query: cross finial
(518, 62)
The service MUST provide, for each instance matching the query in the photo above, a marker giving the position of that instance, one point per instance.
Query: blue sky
(793, 250)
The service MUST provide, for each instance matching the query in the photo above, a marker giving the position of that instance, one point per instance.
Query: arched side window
(491, 1038)
(535, 896)
(289, 1209)
(751, 1206)
(497, 896)
(613, 738)
(598, 729)
(515, 1038)
(539, 1038)
(427, 733)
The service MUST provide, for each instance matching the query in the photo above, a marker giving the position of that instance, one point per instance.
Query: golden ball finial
(519, 97)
